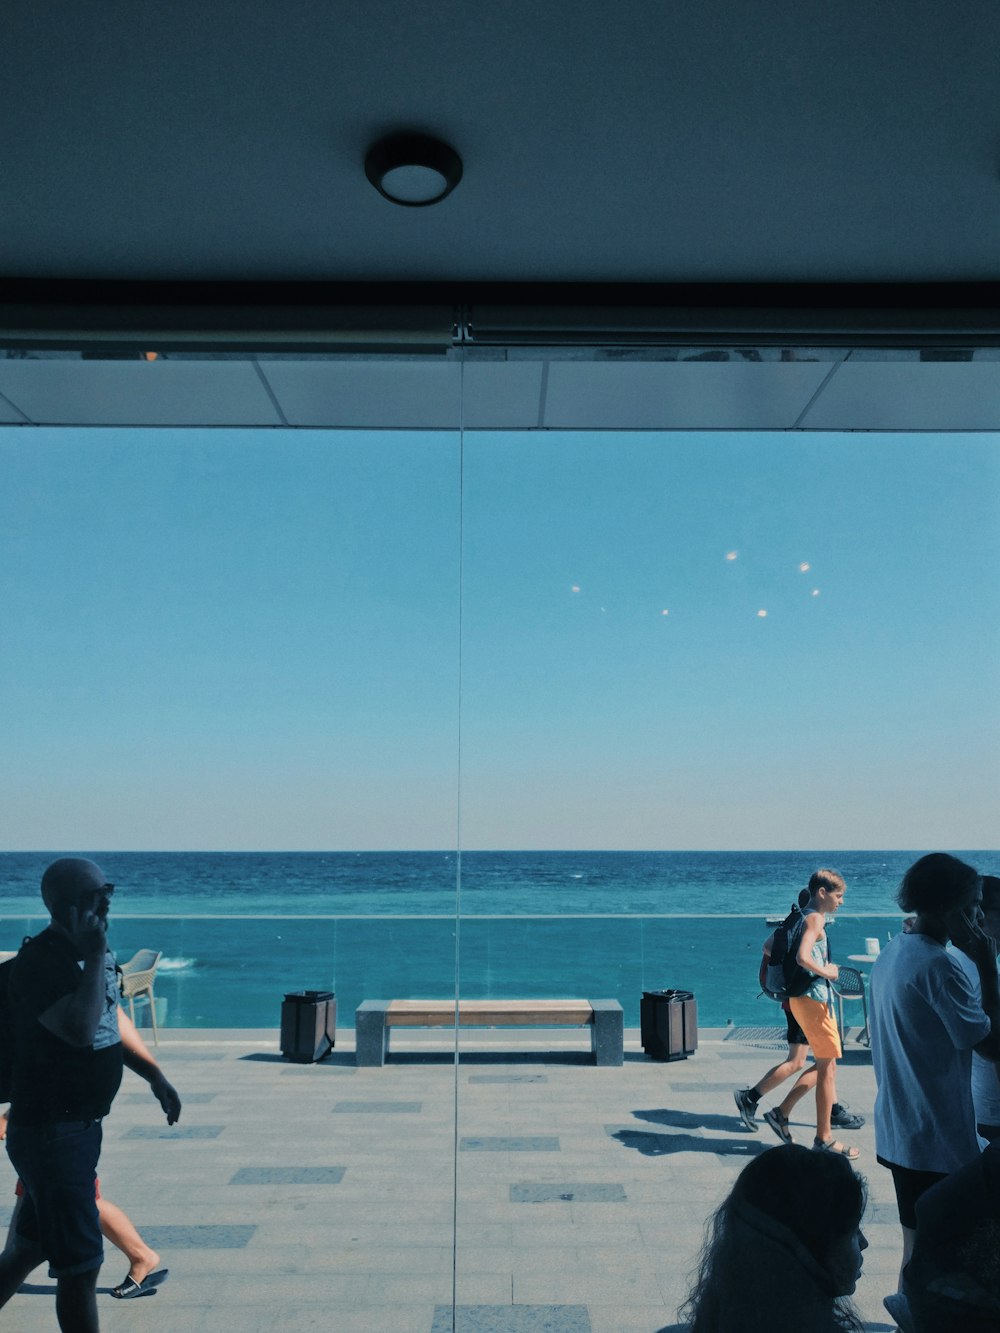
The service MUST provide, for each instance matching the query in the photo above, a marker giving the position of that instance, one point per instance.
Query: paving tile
(324, 1068)
(511, 1319)
(378, 1108)
(508, 1078)
(529, 1192)
(147, 1098)
(288, 1175)
(521, 1143)
(174, 1132)
(205, 1237)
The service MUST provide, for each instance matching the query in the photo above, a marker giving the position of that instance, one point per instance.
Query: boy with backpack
(781, 975)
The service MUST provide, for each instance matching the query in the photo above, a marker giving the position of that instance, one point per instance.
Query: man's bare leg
(798, 1090)
(117, 1226)
(826, 1095)
(777, 1074)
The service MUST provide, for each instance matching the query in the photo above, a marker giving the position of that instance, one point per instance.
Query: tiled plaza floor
(296, 1197)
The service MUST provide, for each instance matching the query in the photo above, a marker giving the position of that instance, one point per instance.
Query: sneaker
(779, 1124)
(747, 1108)
(844, 1119)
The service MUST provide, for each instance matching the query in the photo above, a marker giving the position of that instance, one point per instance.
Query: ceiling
(818, 185)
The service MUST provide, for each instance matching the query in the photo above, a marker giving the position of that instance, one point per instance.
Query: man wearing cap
(67, 1068)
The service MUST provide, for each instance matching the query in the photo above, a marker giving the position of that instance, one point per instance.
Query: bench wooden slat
(489, 1013)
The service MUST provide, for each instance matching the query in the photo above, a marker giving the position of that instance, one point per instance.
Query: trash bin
(308, 1025)
(669, 1024)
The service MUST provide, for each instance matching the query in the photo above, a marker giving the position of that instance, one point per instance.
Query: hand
(835, 970)
(166, 1094)
(967, 934)
(88, 931)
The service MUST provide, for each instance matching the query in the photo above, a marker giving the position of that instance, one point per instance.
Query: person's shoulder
(41, 956)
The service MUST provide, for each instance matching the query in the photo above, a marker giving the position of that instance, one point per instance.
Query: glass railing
(232, 971)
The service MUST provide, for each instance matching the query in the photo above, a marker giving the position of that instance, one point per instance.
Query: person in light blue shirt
(926, 1020)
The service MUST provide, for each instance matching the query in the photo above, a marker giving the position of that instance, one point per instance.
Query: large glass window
(530, 716)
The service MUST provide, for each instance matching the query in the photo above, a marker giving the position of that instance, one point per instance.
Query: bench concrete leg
(371, 1033)
(607, 1035)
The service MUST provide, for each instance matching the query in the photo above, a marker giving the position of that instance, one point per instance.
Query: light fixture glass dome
(413, 169)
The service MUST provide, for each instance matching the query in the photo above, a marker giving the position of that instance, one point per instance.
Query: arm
(138, 1058)
(74, 1017)
(968, 935)
(813, 930)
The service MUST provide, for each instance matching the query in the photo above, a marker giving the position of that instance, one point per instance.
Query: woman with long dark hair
(784, 1249)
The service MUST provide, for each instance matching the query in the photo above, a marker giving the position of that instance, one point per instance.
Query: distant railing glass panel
(233, 971)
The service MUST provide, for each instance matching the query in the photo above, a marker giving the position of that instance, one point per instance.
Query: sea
(238, 931)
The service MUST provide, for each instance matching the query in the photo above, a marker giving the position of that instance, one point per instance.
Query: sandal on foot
(831, 1145)
(130, 1290)
(779, 1123)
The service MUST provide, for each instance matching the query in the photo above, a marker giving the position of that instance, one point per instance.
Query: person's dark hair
(991, 893)
(825, 879)
(936, 884)
(818, 1199)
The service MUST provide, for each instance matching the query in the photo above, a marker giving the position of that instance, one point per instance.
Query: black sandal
(130, 1290)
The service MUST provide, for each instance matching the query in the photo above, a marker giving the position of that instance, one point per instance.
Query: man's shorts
(794, 1035)
(909, 1186)
(816, 1021)
(58, 1214)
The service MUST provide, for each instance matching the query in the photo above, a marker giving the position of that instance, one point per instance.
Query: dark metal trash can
(308, 1025)
(669, 1024)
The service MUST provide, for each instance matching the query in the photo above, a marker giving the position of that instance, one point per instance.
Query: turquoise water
(237, 931)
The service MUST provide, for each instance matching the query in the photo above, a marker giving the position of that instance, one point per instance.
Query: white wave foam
(176, 964)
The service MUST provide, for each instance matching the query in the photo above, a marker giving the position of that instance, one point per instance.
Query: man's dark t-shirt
(52, 1080)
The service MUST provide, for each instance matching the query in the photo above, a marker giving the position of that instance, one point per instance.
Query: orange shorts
(816, 1021)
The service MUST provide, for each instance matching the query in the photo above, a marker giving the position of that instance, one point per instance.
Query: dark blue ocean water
(238, 930)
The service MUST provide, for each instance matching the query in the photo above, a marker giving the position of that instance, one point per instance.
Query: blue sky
(226, 639)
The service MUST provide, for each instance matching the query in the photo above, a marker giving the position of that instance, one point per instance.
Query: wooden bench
(373, 1020)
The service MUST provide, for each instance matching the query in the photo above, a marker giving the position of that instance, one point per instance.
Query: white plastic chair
(137, 980)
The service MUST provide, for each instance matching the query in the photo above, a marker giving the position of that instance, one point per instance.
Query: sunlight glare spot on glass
(575, 587)
(731, 555)
(805, 567)
(815, 592)
(664, 612)
(761, 614)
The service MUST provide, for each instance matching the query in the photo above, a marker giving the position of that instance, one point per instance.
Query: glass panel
(230, 668)
(696, 667)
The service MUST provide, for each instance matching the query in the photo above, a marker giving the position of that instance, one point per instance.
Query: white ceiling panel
(138, 393)
(502, 395)
(909, 396)
(403, 395)
(680, 395)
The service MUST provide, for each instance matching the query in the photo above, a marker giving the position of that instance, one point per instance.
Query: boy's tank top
(820, 954)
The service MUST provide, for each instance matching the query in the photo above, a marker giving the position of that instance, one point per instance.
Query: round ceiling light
(413, 169)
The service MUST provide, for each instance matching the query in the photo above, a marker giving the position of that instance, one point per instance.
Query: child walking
(813, 1012)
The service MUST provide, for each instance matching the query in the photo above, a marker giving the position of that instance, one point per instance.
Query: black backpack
(7, 1027)
(782, 976)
